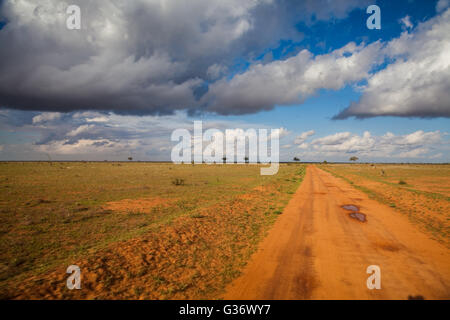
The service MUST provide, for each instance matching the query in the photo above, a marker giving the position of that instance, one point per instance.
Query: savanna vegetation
(137, 230)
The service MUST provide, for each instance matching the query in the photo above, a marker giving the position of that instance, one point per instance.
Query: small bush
(401, 182)
(178, 182)
(197, 216)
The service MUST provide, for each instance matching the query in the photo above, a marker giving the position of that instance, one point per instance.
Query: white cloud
(216, 70)
(417, 83)
(80, 136)
(406, 22)
(283, 132)
(442, 5)
(46, 117)
(291, 81)
(418, 138)
(415, 153)
(97, 119)
(74, 137)
(341, 145)
(437, 155)
(87, 146)
(80, 129)
(303, 136)
(303, 146)
(334, 139)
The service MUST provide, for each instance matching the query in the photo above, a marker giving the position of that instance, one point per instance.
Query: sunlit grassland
(51, 213)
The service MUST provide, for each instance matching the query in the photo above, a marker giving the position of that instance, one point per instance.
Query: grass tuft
(178, 182)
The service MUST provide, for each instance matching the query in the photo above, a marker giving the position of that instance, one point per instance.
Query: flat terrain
(165, 231)
(316, 250)
(137, 230)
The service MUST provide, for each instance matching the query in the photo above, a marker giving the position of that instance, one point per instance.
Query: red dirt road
(316, 251)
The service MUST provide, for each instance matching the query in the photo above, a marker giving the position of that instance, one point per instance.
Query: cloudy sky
(137, 70)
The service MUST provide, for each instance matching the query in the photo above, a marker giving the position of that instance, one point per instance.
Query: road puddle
(355, 214)
(419, 297)
(359, 216)
(350, 207)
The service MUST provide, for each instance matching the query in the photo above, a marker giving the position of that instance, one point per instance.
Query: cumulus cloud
(80, 129)
(46, 116)
(93, 135)
(283, 132)
(303, 146)
(303, 136)
(417, 82)
(406, 22)
(216, 70)
(75, 136)
(418, 144)
(139, 57)
(291, 81)
(441, 5)
(86, 146)
(344, 142)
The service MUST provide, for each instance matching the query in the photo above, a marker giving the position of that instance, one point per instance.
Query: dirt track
(316, 251)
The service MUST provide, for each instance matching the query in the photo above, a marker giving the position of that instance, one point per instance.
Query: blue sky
(123, 83)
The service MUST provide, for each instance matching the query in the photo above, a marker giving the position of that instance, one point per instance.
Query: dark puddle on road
(419, 297)
(350, 207)
(355, 214)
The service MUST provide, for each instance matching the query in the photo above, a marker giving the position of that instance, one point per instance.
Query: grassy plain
(137, 230)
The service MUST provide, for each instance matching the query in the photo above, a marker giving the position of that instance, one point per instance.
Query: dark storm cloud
(139, 57)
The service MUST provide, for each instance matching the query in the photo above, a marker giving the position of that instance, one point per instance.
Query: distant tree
(246, 159)
(354, 158)
(224, 159)
(49, 159)
(130, 158)
(325, 161)
(296, 159)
